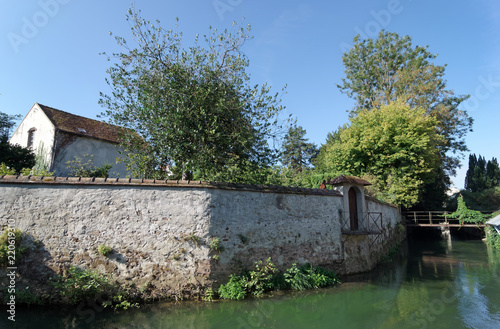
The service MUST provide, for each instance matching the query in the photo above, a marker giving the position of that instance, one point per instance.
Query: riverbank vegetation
(266, 277)
(466, 215)
(83, 286)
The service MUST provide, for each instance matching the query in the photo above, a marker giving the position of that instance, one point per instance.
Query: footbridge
(433, 219)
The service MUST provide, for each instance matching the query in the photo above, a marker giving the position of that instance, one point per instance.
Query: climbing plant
(466, 215)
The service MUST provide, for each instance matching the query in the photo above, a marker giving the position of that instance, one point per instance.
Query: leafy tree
(319, 161)
(191, 107)
(297, 154)
(433, 196)
(395, 145)
(389, 68)
(7, 122)
(13, 156)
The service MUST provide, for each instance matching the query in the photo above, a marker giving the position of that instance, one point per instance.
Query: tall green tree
(469, 175)
(389, 68)
(13, 156)
(492, 173)
(481, 174)
(395, 145)
(191, 107)
(297, 153)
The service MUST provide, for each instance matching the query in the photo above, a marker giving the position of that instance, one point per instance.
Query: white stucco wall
(44, 134)
(391, 215)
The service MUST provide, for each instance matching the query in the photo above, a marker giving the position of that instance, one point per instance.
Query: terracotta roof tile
(82, 126)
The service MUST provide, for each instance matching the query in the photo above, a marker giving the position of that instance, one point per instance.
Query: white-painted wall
(44, 134)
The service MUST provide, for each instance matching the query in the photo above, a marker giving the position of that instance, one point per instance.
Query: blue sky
(50, 51)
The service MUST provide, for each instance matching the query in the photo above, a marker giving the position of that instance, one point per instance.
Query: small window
(31, 137)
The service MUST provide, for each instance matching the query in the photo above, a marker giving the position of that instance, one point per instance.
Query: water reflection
(436, 285)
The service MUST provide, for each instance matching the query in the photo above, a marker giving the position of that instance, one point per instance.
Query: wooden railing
(433, 219)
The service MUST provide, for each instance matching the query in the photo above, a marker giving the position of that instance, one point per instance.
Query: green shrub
(81, 285)
(215, 245)
(208, 296)
(120, 301)
(261, 279)
(35, 172)
(78, 168)
(234, 289)
(492, 237)
(27, 297)
(4, 170)
(266, 277)
(14, 250)
(297, 279)
(104, 250)
(400, 228)
(309, 277)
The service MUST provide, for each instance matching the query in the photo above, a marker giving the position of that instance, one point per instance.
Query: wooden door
(353, 209)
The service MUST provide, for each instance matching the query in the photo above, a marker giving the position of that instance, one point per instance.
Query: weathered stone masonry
(160, 231)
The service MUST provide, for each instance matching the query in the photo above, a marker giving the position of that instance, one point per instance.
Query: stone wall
(160, 232)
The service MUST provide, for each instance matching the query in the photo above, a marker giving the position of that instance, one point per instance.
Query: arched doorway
(353, 209)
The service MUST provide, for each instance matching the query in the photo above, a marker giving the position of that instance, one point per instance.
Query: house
(60, 136)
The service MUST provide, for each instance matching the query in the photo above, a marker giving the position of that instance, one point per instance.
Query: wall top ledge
(54, 180)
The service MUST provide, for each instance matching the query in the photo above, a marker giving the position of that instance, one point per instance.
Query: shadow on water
(433, 283)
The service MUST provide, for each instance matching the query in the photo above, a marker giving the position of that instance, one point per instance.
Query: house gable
(37, 132)
(61, 136)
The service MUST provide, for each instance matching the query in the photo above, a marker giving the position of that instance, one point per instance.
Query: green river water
(437, 284)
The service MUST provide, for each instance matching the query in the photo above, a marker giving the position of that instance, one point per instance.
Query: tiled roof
(349, 180)
(82, 126)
